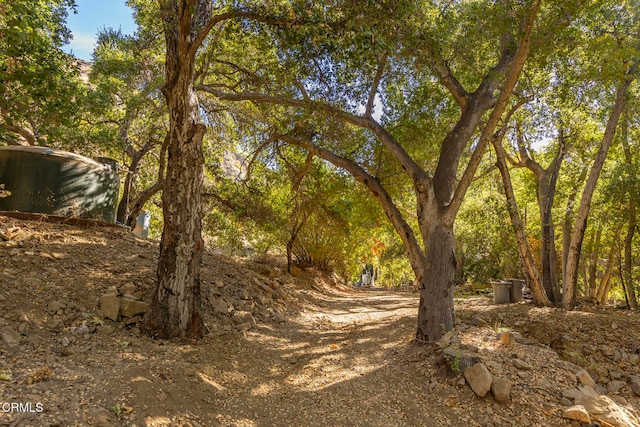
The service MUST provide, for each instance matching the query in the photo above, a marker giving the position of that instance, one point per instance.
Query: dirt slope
(280, 350)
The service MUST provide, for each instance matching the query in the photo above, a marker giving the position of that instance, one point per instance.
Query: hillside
(279, 350)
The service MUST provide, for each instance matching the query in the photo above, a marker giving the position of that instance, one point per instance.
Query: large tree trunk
(175, 308)
(435, 312)
(570, 280)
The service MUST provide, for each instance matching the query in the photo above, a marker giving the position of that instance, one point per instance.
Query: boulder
(110, 306)
(501, 389)
(479, 379)
(130, 307)
(605, 408)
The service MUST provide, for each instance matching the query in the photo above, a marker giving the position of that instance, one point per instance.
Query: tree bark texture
(175, 308)
(435, 312)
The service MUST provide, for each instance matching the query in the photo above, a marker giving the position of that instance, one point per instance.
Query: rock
(615, 386)
(635, 386)
(110, 306)
(566, 402)
(112, 290)
(614, 326)
(494, 367)
(576, 412)
(55, 306)
(501, 389)
(617, 356)
(607, 352)
(240, 317)
(219, 304)
(521, 364)
(128, 288)
(278, 316)
(616, 374)
(571, 393)
(634, 359)
(605, 408)
(132, 297)
(80, 330)
(10, 337)
(585, 378)
(129, 307)
(24, 328)
(459, 360)
(479, 379)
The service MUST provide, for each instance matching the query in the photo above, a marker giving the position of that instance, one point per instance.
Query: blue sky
(92, 16)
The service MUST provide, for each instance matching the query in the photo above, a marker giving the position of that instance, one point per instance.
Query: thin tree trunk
(594, 255)
(570, 280)
(568, 219)
(628, 260)
(129, 181)
(605, 284)
(627, 272)
(540, 297)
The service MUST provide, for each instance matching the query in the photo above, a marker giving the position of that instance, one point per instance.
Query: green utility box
(54, 182)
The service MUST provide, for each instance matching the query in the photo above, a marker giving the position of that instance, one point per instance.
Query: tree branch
(382, 60)
(375, 187)
(368, 123)
(447, 78)
(487, 134)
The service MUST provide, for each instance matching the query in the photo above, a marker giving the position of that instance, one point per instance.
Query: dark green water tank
(55, 182)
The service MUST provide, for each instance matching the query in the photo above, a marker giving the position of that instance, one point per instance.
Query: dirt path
(316, 354)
